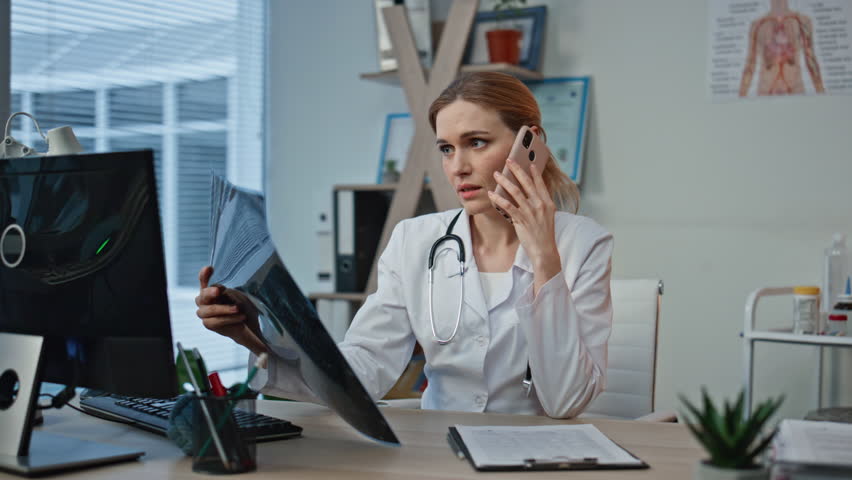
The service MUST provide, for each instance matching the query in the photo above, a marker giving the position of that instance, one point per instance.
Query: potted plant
(504, 42)
(733, 440)
(391, 174)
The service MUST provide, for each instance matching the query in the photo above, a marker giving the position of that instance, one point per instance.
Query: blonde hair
(516, 106)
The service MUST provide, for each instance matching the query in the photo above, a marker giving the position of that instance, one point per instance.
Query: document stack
(812, 450)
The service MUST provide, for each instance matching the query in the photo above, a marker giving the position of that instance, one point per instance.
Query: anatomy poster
(763, 48)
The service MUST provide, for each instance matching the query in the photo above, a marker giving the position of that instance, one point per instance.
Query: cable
(59, 400)
(104, 417)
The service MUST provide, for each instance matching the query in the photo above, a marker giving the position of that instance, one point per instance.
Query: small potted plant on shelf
(391, 174)
(733, 440)
(504, 42)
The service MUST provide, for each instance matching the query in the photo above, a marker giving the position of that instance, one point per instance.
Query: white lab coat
(562, 332)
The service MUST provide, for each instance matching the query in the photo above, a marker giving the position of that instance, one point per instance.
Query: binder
(359, 217)
(609, 456)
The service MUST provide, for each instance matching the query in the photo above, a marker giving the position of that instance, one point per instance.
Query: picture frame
(396, 140)
(564, 105)
(531, 21)
(421, 26)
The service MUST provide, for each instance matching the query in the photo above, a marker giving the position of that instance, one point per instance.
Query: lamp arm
(9, 123)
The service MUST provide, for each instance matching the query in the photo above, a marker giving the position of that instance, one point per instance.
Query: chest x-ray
(244, 259)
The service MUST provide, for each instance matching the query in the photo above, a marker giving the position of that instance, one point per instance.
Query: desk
(331, 449)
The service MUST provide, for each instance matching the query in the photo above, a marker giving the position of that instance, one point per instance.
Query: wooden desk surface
(330, 448)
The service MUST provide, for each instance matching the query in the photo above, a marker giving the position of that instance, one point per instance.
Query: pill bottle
(805, 309)
(836, 324)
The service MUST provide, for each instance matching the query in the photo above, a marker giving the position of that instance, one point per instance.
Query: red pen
(216, 385)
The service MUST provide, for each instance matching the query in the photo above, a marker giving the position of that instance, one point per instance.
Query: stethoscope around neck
(449, 236)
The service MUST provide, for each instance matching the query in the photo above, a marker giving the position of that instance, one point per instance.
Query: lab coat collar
(462, 229)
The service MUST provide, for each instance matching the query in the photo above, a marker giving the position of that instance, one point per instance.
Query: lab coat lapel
(473, 296)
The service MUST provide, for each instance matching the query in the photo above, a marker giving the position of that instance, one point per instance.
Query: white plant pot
(705, 471)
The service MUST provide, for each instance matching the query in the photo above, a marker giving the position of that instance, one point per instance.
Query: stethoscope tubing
(448, 236)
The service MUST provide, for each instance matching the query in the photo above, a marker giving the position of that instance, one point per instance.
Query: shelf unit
(751, 336)
(786, 336)
(391, 77)
(349, 297)
(420, 86)
(373, 187)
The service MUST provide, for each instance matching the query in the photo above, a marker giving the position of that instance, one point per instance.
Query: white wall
(716, 199)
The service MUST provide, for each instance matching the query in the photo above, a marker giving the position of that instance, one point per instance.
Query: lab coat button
(481, 340)
(480, 400)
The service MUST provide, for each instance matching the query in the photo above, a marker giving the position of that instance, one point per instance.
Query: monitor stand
(27, 452)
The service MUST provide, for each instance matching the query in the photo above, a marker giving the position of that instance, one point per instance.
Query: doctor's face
(474, 143)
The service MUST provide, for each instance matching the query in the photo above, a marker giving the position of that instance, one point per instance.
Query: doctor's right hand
(228, 313)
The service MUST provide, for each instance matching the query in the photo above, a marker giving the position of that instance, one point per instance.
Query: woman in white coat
(536, 290)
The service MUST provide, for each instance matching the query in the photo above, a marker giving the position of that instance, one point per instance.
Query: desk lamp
(60, 141)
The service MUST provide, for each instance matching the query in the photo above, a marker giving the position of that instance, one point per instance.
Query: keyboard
(152, 414)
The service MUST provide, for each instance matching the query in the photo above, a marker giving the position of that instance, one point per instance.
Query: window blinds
(181, 77)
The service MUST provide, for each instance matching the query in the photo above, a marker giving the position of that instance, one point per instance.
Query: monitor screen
(244, 258)
(81, 264)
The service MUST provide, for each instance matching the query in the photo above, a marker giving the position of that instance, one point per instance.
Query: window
(184, 79)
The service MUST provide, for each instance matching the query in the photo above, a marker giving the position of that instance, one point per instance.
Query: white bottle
(834, 273)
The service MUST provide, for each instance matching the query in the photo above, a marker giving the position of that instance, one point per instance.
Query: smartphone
(527, 150)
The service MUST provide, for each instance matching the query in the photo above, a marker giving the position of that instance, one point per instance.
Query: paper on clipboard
(509, 446)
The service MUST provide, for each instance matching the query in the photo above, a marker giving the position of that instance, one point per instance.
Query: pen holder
(223, 448)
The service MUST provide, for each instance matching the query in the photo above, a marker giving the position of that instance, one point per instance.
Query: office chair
(632, 359)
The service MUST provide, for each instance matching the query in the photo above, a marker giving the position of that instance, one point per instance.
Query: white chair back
(631, 365)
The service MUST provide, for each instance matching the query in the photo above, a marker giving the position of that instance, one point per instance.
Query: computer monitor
(82, 293)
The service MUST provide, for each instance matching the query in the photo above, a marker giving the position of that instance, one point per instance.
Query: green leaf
(760, 447)
(707, 435)
(713, 417)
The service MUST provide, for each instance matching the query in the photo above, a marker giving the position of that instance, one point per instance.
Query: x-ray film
(244, 259)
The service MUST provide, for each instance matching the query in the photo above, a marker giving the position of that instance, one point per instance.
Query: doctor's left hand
(533, 219)
(228, 312)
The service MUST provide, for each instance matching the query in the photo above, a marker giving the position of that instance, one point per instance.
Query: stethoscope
(450, 236)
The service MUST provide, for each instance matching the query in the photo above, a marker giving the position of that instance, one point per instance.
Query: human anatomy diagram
(776, 41)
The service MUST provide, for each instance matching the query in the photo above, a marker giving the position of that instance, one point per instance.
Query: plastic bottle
(844, 303)
(834, 271)
(805, 309)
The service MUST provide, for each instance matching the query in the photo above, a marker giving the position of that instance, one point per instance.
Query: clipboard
(460, 448)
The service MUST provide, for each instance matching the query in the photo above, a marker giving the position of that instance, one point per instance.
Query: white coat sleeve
(380, 341)
(567, 330)
(378, 344)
